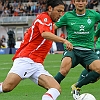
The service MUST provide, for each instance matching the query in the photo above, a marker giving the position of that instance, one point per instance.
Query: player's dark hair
(53, 3)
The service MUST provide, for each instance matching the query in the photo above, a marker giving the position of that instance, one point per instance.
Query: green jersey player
(80, 28)
(98, 40)
(85, 73)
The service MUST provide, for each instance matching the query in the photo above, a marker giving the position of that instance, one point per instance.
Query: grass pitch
(27, 90)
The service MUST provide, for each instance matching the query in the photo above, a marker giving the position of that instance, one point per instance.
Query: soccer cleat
(75, 91)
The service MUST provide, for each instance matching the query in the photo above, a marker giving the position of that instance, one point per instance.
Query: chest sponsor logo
(81, 30)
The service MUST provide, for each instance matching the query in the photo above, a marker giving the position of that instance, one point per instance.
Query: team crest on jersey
(45, 19)
(89, 21)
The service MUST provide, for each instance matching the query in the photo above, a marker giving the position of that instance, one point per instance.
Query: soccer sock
(83, 74)
(51, 94)
(91, 77)
(1, 88)
(59, 77)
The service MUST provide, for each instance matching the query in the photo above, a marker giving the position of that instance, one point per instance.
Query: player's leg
(18, 72)
(11, 81)
(67, 62)
(77, 86)
(91, 76)
(88, 76)
(52, 86)
(47, 81)
(83, 74)
(64, 69)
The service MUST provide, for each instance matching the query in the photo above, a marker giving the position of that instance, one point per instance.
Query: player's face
(57, 12)
(80, 5)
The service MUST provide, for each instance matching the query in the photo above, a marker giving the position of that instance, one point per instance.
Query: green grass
(27, 90)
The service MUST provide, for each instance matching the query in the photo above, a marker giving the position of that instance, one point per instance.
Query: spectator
(62, 35)
(16, 12)
(91, 6)
(1, 43)
(33, 7)
(5, 13)
(6, 3)
(15, 4)
(30, 3)
(25, 8)
(36, 11)
(66, 6)
(1, 7)
(95, 2)
(28, 9)
(11, 10)
(3, 38)
(97, 10)
(71, 6)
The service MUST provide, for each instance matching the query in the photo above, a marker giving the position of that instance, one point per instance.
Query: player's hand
(69, 45)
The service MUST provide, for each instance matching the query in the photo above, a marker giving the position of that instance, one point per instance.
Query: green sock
(59, 77)
(91, 77)
(83, 74)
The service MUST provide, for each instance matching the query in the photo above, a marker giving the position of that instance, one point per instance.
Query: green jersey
(97, 33)
(80, 28)
(98, 44)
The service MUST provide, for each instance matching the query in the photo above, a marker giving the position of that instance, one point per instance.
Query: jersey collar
(78, 14)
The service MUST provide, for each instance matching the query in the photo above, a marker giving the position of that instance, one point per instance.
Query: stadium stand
(18, 15)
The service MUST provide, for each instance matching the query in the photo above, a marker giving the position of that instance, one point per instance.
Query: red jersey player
(28, 60)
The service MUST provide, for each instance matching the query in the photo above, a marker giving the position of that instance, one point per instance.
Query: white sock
(1, 88)
(51, 94)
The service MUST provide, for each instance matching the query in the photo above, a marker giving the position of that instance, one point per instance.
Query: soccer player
(86, 75)
(80, 28)
(97, 37)
(29, 58)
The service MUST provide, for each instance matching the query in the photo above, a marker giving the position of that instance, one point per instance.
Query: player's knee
(64, 71)
(97, 69)
(7, 88)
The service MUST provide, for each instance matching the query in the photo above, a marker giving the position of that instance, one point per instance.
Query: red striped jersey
(34, 46)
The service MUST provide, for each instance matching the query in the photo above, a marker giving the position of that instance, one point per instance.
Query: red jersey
(34, 46)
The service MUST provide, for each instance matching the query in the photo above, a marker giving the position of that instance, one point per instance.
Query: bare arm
(95, 39)
(53, 37)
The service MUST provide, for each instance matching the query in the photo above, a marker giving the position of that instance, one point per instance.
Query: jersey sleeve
(45, 24)
(97, 32)
(62, 21)
(97, 16)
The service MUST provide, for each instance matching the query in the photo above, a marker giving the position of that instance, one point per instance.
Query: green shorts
(98, 52)
(83, 57)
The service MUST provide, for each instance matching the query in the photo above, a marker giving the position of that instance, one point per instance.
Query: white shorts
(27, 68)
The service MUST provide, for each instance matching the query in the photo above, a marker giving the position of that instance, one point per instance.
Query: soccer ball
(86, 96)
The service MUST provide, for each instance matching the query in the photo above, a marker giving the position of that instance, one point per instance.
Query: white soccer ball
(86, 96)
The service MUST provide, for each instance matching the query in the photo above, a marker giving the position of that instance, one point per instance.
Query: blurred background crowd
(17, 9)
(33, 7)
